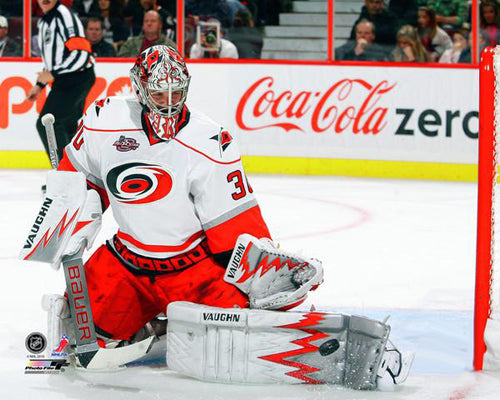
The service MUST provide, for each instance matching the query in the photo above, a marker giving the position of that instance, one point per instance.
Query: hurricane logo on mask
(139, 183)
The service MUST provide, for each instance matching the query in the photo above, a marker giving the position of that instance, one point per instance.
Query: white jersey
(166, 196)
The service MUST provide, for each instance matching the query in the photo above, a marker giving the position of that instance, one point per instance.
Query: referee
(68, 63)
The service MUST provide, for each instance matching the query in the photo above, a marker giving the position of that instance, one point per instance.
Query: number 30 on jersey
(241, 185)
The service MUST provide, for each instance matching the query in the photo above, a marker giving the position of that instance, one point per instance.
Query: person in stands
(94, 34)
(363, 48)
(490, 22)
(435, 40)
(409, 47)
(8, 47)
(384, 21)
(151, 36)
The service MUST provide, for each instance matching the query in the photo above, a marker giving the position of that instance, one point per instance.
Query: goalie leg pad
(254, 346)
(272, 278)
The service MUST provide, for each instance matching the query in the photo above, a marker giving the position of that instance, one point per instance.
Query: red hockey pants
(123, 302)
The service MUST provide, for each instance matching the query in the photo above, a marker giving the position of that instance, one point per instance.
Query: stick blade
(111, 359)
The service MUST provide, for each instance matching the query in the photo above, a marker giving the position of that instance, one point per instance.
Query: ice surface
(404, 248)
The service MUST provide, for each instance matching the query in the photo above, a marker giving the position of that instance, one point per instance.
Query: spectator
(115, 30)
(138, 8)
(86, 8)
(233, 6)
(435, 40)
(450, 14)
(216, 9)
(8, 48)
(409, 47)
(151, 36)
(489, 22)
(466, 54)
(210, 44)
(94, 34)
(364, 47)
(11, 8)
(267, 12)
(385, 22)
(36, 10)
(169, 6)
(405, 11)
(460, 44)
(247, 39)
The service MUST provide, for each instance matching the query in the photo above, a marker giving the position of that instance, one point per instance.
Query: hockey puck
(329, 347)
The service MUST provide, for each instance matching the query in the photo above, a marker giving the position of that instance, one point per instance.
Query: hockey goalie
(192, 246)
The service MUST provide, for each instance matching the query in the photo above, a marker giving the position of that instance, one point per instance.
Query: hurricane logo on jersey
(139, 183)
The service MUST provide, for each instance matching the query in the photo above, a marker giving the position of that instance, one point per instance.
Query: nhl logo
(48, 36)
(36, 342)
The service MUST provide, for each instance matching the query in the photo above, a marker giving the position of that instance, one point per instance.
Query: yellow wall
(301, 166)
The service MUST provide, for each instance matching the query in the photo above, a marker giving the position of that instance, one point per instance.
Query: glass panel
(124, 28)
(106, 27)
(403, 30)
(36, 13)
(146, 23)
(489, 23)
(267, 29)
(441, 22)
(11, 28)
(151, 22)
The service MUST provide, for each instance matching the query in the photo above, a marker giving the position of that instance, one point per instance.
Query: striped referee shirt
(62, 42)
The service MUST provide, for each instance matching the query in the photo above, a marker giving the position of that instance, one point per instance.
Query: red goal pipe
(486, 176)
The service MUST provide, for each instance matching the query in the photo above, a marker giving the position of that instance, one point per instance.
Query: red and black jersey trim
(66, 165)
(148, 130)
(182, 121)
(102, 194)
(102, 332)
(141, 265)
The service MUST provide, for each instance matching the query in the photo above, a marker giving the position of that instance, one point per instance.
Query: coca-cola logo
(348, 104)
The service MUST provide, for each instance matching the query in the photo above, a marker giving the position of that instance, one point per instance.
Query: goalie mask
(160, 80)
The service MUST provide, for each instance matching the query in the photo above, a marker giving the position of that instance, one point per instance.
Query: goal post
(487, 294)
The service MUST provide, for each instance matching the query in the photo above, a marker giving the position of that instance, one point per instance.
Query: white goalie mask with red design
(160, 80)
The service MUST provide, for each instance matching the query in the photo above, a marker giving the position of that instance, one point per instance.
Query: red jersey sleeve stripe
(156, 248)
(102, 194)
(223, 236)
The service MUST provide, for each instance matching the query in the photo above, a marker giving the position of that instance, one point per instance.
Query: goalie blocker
(256, 346)
(70, 217)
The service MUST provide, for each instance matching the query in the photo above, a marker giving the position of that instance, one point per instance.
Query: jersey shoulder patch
(205, 136)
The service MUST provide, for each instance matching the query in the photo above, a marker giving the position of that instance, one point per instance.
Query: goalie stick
(88, 352)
